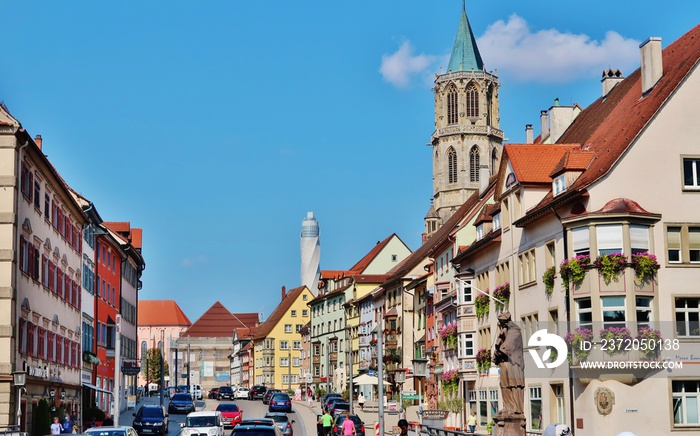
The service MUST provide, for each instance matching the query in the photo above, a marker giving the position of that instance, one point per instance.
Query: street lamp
(400, 377)
(437, 369)
(20, 380)
(420, 367)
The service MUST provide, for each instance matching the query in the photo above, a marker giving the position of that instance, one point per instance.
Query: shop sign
(37, 371)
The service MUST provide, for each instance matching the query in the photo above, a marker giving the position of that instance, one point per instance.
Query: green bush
(42, 419)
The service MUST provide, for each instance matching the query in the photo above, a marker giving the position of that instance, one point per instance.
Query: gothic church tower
(467, 140)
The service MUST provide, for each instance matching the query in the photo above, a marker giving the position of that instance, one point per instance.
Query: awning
(93, 387)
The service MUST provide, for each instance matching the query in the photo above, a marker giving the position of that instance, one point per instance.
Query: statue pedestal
(509, 424)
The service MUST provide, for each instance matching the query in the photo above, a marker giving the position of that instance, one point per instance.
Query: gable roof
(533, 163)
(265, 328)
(161, 313)
(360, 266)
(218, 322)
(613, 122)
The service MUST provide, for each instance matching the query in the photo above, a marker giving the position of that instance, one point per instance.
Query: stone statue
(508, 355)
(432, 395)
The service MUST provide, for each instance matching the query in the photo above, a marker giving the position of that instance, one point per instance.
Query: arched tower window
(452, 106)
(472, 101)
(494, 161)
(474, 164)
(452, 165)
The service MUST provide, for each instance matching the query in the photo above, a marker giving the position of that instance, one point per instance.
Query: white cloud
(552, 56)
(512, 48)
(399, 68)
(189, 262)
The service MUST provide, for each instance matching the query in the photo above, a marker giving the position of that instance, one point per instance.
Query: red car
(230, 413)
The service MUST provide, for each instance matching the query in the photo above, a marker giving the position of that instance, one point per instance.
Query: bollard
(376, 428)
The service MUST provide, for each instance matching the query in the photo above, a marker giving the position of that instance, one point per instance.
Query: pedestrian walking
(327, 422)
(56, 426)
(348, 426)
(361, 401)
(403, 425)
(67, 425)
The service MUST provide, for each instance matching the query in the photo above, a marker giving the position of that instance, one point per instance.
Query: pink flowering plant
(615, 339)
(481, 303)
(502, 295)
(578, 343)
(449, 335)
(483, 360)
(645, 266)
(649, 342)
(450, 381)
(610, 266)
(574, 270)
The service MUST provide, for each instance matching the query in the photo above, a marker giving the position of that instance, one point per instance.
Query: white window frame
(580, 237)
(580, 311)
(559, 184)
(686, 321)
(604, 308)
(466, 294)
(287, 328)
(497, 221)
(465, 349)
(680, 394)
(609, 238)
(694, 168)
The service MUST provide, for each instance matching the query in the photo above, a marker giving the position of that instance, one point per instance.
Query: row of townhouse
(69, 280)
(589, 232)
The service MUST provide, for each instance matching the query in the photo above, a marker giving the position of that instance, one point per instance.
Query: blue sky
(216, 125)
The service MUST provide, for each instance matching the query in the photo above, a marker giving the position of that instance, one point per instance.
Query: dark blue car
(280, 402)
(181, 403)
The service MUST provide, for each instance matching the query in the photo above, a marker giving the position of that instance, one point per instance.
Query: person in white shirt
(56, 426)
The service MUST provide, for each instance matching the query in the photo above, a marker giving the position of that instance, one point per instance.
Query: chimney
(37, 141)
(560, 118)
(484, 175)
(652, 66)
(544, 125)
(610, 79)
(284, 292)
(529, 134)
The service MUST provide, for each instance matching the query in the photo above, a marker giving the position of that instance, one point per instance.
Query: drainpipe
(567, 305)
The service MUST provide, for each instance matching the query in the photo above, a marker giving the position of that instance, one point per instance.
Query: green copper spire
(465, 53)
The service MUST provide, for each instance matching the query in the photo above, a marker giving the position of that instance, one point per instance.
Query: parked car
(241, 393)
(208, 423)
(283, 422)
(225, 393)
(151, 420)
(338, 425)
(121, 430)
(181, 403)
(213, 393)
(257, 429)
(338, 407)
(268, 395)
(280, 402)
(231, 414)
(257, 392)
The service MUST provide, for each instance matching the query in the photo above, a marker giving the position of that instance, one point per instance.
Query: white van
(208, 423)
(196, 391)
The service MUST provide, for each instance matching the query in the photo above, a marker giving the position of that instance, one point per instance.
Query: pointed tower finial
(465, 53)
(464, 6)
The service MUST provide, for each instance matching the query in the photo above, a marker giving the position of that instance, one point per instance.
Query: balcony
(392, 340)
(268, 353)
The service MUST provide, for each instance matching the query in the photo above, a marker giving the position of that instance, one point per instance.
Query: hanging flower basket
(649, 343)
(610, 266)
(578, 342)
(548, 280)
(574, 270)
(483, 360)
(481, 303)
(450, 381)
(502, 295)
(645, 266)
(612, 336)
(449, 335)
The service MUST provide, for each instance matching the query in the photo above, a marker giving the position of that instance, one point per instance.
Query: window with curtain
(452, 165)
(609, 238)
(474, 164)
(581, 240)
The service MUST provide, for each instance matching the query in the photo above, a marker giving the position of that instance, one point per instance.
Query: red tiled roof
(610, 124)
(265, 328)
(533, 163)
(218, 322)
(373, 253)
(573, 160)
(333, 274)
(161, 313)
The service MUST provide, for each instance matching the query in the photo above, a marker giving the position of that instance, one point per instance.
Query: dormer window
(558, 184)
(497, 221)
(479, 232)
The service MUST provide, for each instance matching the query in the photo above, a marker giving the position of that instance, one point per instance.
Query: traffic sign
(408, 392)
(411, 397)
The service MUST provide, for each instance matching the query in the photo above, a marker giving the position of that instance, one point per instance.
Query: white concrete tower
(310, 253)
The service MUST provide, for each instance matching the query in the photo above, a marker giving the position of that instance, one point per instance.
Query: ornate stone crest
(604, 400)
